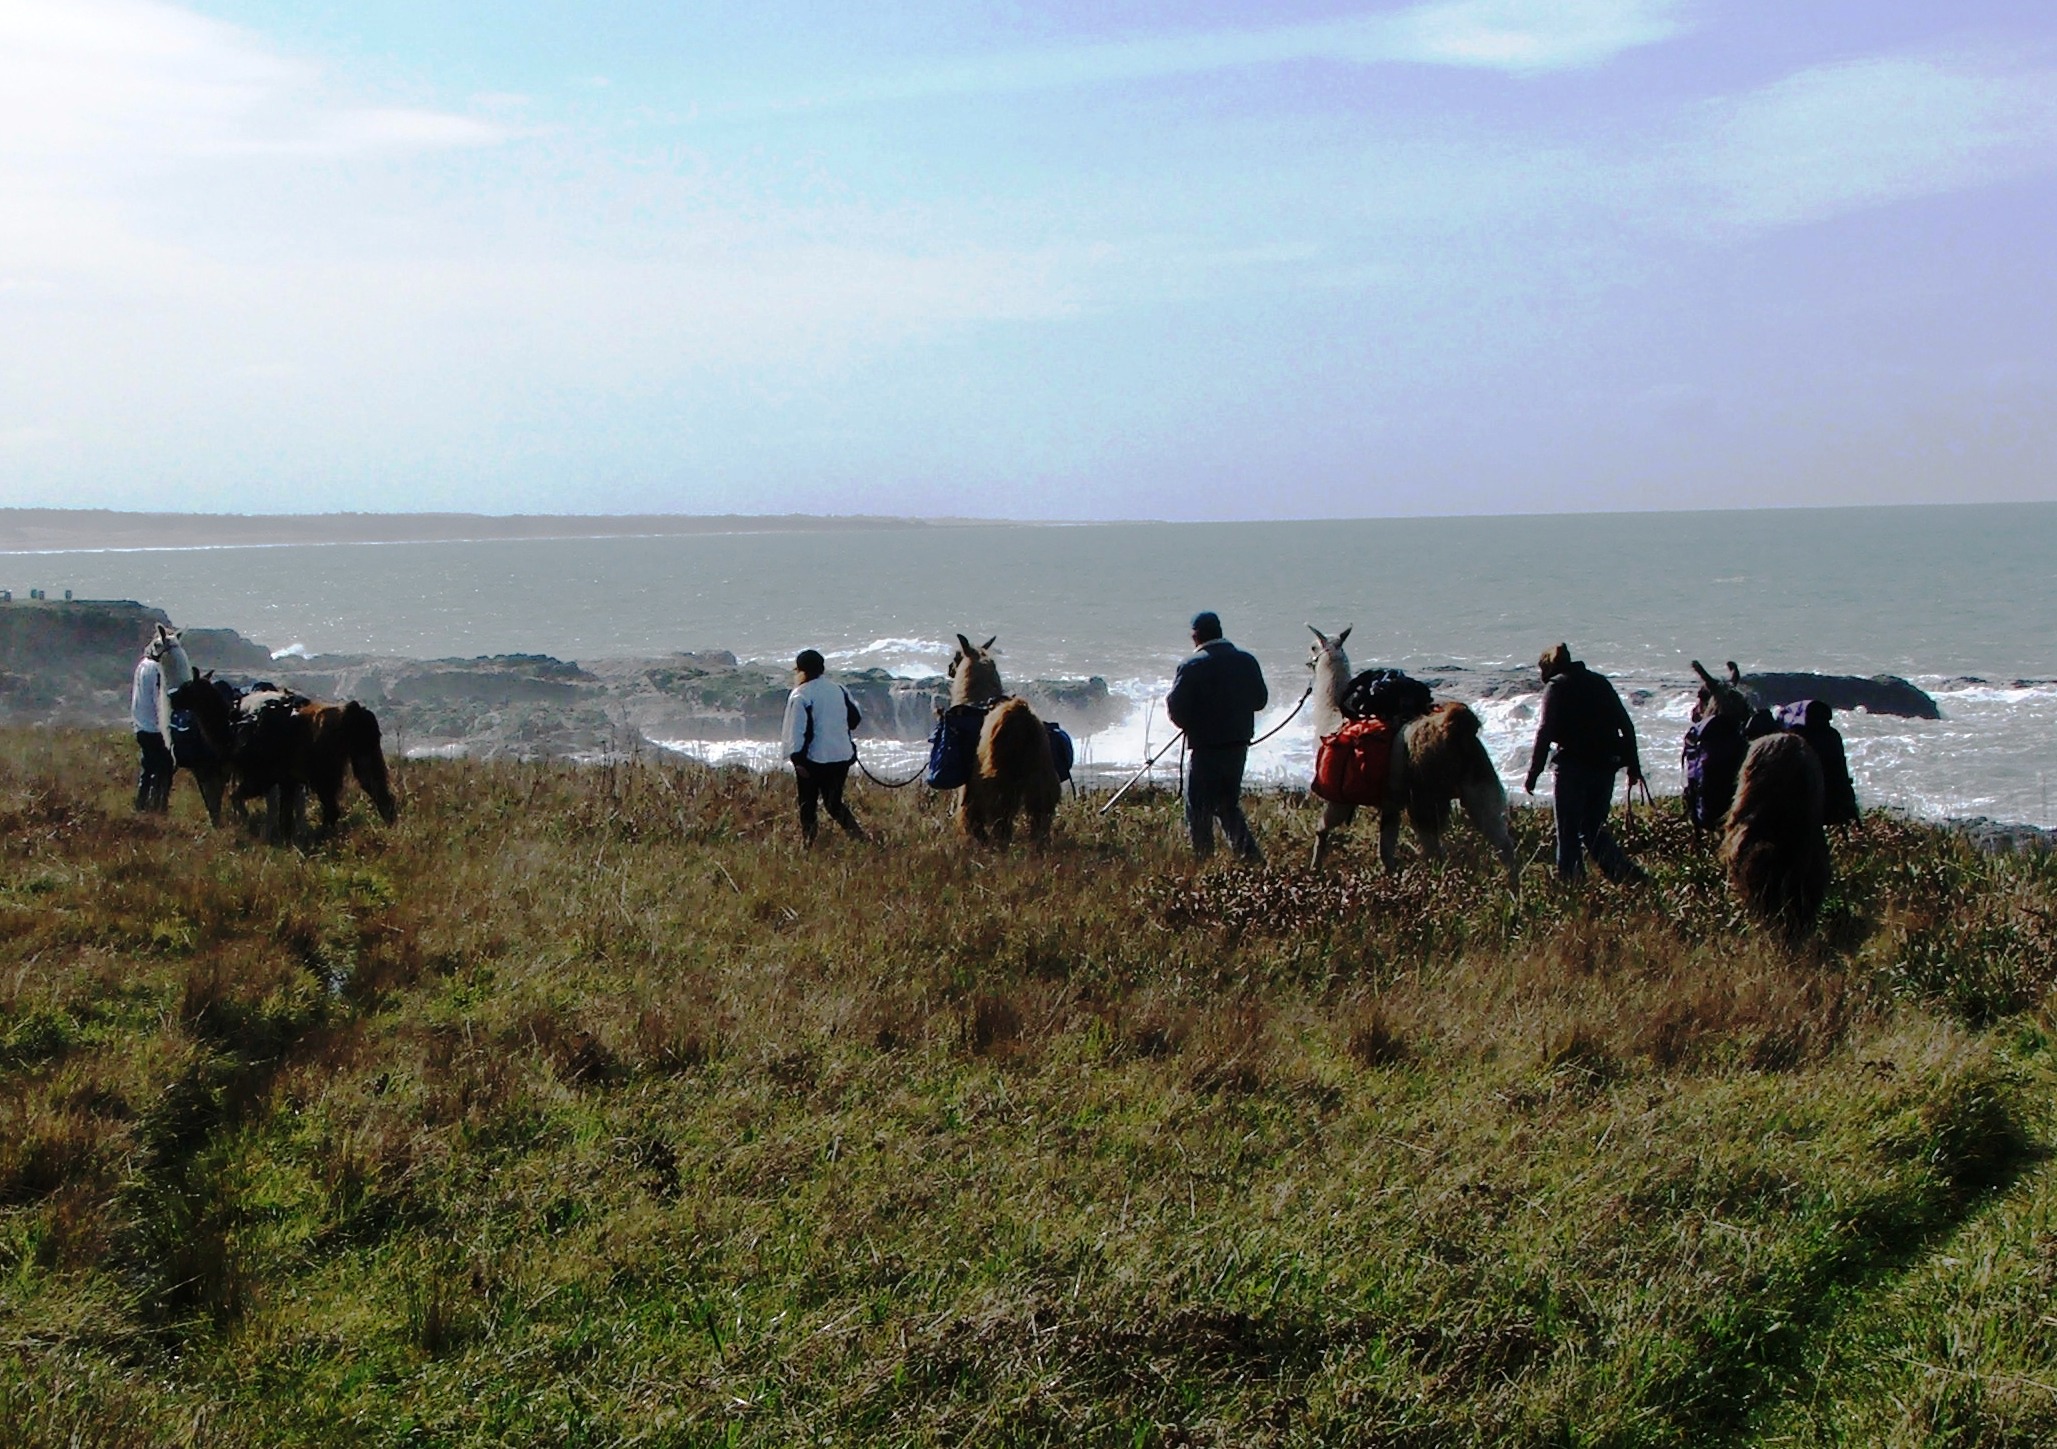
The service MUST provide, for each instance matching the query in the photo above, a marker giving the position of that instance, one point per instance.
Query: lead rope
(1179, 739)
(903, 784)
(1288, 719)
(890, 784)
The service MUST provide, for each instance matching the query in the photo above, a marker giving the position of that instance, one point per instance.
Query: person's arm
(1546, 732)
(1260, 693)
(1627, 728)
(853, 716)
(798, 727)
(1181, 695)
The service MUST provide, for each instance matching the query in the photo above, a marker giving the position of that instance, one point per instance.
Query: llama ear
(989, 643)
(1317, 634)
(1344, 635)
(199, 678)
(964, 647)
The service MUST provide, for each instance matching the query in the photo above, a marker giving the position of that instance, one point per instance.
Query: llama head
(165, 641)
(1325, 648)
(973, 674)
(1331, 667)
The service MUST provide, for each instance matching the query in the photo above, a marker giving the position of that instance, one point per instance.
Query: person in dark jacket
(1585, 719)
(1839, 807)
(1215, 698)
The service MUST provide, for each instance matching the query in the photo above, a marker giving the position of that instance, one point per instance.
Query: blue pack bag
(954, 746)
(1061, 752)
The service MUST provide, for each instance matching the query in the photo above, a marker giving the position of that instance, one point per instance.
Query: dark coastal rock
(71, 663)
(1879, 694)
(1998, 837)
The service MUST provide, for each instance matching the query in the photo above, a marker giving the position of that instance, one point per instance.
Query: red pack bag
(1351, 765)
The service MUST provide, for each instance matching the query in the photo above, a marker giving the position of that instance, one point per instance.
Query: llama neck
(211, 714)
(975, 686)
(173, 670)
(1331, 673)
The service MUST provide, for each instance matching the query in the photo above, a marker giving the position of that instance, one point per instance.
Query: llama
(1437, 757)
(1773, 844)
(278, 744)
(1015, 768)
(173, 669)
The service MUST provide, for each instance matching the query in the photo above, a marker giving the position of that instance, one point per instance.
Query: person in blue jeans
(1584, 718)
(1215, 698)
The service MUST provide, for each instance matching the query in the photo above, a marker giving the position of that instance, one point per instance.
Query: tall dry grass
(585, 1105)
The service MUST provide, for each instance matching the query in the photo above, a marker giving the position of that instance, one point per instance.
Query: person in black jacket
(1585, 719)
(1215, 698)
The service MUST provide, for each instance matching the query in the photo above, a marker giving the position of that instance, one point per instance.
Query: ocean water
(1962, 600)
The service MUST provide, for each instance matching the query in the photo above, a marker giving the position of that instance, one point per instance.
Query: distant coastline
(56, 530)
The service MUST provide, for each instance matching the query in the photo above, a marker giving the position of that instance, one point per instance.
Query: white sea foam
(901, 658)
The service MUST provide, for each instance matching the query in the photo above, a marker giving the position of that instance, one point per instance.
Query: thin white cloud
(1520, 36)
(1841, 138)
(142, 78)
(1529, 35)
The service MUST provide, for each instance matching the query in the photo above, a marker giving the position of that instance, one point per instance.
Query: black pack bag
(1385, 694)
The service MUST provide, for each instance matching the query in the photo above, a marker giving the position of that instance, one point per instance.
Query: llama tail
(368, 759)
(1014, 743)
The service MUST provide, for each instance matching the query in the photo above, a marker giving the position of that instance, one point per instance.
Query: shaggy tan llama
(1773, 844)
(1437, 757)
(1016, 771)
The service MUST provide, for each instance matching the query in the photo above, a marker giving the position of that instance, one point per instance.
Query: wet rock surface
(1876, 694)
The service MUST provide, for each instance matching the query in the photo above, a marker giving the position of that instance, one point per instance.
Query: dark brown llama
(278, 749)
(1773, 844)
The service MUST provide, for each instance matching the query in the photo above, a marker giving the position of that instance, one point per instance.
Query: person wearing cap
(1584, 718)
(1215, 698)
(819, 718)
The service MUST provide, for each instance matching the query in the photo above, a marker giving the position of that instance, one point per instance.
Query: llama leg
(971, 813)
(1486, 803)
(325, 779)
(1334, 816)
(1006, 802)
(1389, 834)
(1042, 809)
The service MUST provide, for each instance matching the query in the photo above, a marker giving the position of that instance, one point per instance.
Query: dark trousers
(1583, 795)
(822, 786)
(1214, 791)
(153, 779)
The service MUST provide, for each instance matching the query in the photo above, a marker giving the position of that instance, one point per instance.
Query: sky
(1119, 259)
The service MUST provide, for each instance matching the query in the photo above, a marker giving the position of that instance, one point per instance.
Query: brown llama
(1437, 757)
(1773, 844)
(1015, 769)
(277, 745)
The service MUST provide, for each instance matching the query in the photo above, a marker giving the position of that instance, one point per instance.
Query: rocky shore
(69, 662)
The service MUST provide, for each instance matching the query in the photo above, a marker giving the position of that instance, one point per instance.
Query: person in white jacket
(819, 718)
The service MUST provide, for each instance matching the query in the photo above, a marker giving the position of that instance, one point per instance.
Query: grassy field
(583, 1107)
